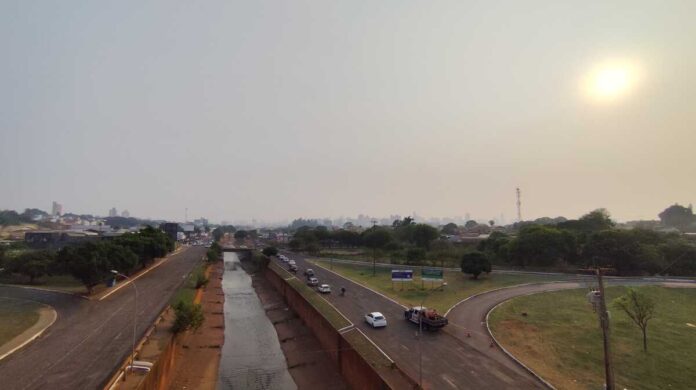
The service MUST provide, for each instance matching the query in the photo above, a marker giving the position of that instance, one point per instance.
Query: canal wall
(358, 372)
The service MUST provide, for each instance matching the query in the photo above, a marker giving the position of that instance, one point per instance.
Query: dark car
(309, 272)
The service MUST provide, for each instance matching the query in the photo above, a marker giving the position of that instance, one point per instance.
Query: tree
(220, 231)
(470, 224)
(33, 264)
(376, 238)
(241, 234)
(86, 264)
(541, 245)
(678, 216)
(423, 235)
(270, 251)
(415, 256)
(593, 221)
(639, 308)
(475, 263)
(450, 228)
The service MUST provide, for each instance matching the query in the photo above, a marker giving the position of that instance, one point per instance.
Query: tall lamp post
(135, 316)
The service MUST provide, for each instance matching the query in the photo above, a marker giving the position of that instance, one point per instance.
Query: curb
(511, 356)
(33, 337)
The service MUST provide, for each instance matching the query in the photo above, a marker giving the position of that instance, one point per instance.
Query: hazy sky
(283, 109)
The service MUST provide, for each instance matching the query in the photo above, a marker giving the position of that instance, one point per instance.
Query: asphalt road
(448, 362)
(91, 339)
(460, 356)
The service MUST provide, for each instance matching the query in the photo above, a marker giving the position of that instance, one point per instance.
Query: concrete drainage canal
(251, 355)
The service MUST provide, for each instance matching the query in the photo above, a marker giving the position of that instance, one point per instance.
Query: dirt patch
(309, 365)
(197, 355)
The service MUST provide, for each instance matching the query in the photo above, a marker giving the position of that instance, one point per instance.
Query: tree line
(91, 262)
(592, 241)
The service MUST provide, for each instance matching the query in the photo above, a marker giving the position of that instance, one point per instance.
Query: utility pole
(374, 252)
(519, 205)
(604, 322)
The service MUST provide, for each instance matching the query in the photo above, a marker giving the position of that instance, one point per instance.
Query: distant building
(125, 214)
(200, 222)
(171, 228)
(56, 239)
(113, 212)
(57, 209)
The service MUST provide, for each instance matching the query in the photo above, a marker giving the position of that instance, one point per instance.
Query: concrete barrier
(358, 372)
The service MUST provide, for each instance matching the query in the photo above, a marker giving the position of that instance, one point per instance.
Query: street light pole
(420, 343)
(135, 317)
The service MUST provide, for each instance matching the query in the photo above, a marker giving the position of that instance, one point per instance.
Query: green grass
(459, 286)
(332, 315)
(17, 316)
(56, 282)
(560, 339)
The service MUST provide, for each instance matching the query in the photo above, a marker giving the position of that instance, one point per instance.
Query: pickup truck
(427, 317)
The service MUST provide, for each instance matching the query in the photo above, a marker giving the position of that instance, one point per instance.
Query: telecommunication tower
(519, 205)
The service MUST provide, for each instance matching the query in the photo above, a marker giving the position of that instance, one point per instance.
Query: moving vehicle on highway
(293, 268)
(324, 289)
(292, 262)
(376, 319)
(309, 272)
(312, 281)
(427, 318)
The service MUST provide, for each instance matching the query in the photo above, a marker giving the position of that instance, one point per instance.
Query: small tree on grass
(475, 263)
(188, 316)
(201, 280)
(640, 308)
(33, 264)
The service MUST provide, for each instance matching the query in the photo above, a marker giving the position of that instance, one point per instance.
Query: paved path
(448, 362)
(90, 339)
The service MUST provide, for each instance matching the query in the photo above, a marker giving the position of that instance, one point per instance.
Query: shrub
(188, 316)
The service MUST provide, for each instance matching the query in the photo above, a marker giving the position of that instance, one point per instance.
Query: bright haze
(277, 110)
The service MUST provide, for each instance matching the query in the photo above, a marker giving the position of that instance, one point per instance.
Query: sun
(610, 81)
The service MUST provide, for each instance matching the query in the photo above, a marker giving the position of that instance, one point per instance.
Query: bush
(475, 263)
(188, 316)
(270, 251)
(200, 279)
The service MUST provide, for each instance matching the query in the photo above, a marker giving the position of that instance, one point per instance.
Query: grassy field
(560, 339)
(56, 282)
(459, 285)
(17, 315)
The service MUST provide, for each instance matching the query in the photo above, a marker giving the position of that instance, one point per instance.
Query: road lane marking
(356, 283)
(339, 312)
(373, 343)
(130, 280)
(345, 329)
(448, 380)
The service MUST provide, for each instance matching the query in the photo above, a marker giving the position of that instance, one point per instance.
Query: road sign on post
(431, 274)
(401, 275)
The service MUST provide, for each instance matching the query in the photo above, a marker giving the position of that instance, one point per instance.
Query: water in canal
(251, 355)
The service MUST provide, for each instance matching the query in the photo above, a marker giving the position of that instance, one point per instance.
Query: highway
(91, 338)
(448, 362)
(459, 356)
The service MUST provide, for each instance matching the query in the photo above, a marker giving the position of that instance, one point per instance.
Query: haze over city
(241, 110)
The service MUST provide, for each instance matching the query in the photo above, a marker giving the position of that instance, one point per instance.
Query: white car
(376, 319)
(324, 288)
(292, 262)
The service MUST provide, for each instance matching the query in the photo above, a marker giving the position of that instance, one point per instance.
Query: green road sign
(431, 274)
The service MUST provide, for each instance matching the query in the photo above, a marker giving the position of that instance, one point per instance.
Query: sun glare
(610, 81)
